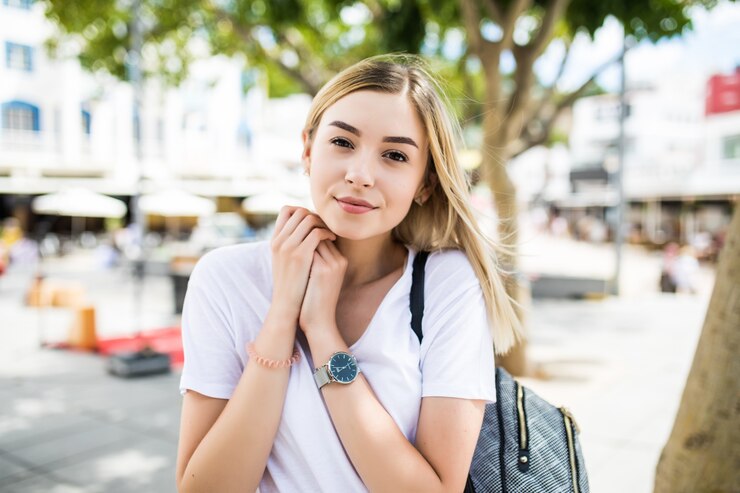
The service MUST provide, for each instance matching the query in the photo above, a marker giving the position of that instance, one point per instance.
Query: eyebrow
(349, 128)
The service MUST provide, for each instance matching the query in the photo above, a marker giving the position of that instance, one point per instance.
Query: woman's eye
(341, 142)
(396, 156)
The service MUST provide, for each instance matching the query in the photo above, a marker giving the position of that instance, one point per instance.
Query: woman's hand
(318, 311)
(297, 235)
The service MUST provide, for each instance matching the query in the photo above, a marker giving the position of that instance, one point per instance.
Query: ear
(306, 156)
(426, 189)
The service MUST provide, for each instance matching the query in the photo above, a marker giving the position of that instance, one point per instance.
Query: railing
(39, 152)
(13, 140)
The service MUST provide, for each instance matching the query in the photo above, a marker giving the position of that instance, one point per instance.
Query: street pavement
(66, 425)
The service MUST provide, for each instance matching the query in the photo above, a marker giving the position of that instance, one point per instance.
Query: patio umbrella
(79, 202)
(270, 203)
(176, 203)
(76, 203)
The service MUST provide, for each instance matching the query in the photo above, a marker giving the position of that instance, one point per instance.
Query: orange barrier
(82, 332)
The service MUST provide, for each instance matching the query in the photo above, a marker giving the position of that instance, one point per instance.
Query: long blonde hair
(446, 219)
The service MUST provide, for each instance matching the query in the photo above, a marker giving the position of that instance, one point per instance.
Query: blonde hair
(446, 219)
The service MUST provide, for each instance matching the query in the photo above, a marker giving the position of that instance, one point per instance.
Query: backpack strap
(416, 302)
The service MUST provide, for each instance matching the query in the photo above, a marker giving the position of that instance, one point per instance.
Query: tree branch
(529, 141)
(375, 8)
(548, 95)
(525, 57)
(516, 9)
(494, 12)
(471, 19)
(554, 11)
(273, 55)
(524, 77)
(293, 38)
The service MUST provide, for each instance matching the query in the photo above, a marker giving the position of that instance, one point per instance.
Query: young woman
(302, 372)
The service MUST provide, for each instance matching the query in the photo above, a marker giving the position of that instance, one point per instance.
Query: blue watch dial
(343, 367)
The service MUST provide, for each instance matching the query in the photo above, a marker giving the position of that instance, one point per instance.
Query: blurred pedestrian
(667, 282)
(302, 372)
(3, 259)
(685, 270)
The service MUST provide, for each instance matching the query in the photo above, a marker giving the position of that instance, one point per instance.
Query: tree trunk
(495, 175)
(702, 452)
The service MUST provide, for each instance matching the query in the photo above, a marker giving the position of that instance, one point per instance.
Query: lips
(353, 205)
(354, 201)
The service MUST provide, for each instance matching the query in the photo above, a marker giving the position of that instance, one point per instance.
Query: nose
(360, 172)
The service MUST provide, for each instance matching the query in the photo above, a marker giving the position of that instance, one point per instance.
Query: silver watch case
(332, 371)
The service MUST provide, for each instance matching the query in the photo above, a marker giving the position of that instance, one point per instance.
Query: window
(731, 147)
(17, 115)
(21, 4)
(85, 122)
(18, 56)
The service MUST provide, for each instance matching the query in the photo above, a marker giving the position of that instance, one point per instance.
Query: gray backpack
(526, 445)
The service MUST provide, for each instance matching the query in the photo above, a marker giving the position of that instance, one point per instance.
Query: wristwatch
(341, 368)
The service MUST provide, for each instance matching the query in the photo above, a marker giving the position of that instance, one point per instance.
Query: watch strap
(321, 376)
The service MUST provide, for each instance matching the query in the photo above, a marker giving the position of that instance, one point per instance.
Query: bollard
(82, 332)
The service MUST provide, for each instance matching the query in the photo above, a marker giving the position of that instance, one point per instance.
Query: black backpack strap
(416, 302)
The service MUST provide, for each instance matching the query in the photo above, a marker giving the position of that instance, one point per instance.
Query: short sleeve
(457, 357)
(212, 364)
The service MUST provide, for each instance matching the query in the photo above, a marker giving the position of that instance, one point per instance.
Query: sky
(713, 46)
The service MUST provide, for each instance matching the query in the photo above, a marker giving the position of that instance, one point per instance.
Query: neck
(370, 259)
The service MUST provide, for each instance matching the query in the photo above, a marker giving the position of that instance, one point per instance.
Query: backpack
(526, 445)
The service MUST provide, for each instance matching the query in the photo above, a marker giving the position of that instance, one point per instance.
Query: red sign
(723, 93)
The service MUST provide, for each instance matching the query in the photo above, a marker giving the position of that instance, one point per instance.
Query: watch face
(343, 367)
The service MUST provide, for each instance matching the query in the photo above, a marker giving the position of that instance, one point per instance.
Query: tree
(701, 453)
(516, 117)
(301, 43)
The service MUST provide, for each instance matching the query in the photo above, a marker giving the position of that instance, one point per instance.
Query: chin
(349, 232)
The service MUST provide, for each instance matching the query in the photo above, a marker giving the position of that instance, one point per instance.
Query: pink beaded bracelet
(271, 363)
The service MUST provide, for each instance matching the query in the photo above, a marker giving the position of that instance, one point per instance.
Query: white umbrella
(176, 203)
(79, 202)
(270, 202)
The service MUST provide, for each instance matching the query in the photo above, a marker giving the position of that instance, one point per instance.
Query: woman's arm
(385, 460)
(224, 446)
(448, 428)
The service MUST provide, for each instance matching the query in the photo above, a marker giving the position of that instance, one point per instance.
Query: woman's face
(366, 163)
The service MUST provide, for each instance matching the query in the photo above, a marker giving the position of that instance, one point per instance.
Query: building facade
(681, 175)
(216, 135)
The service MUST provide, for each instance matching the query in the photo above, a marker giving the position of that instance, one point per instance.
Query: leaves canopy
(300, 44)
(306, 41)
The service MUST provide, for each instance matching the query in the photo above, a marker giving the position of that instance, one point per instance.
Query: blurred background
(602, 142)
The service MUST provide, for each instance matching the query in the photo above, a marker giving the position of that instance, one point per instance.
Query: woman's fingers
(297, 228)
(315, 237)
(301, 232)
(333, 250)
(330, 256)
(285, 213)
(323, 251)
(289, 227)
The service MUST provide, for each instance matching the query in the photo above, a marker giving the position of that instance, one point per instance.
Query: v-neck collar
(401, 281)
(406, 272)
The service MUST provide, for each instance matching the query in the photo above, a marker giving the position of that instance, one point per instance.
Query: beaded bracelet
(271, 363)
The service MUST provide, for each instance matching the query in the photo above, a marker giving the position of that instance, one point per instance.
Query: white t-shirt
(228, 296)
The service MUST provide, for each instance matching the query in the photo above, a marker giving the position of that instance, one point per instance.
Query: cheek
(400, 192)
(320, 179)
(322, 183)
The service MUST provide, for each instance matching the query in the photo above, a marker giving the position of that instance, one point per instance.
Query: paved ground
(67, 426)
